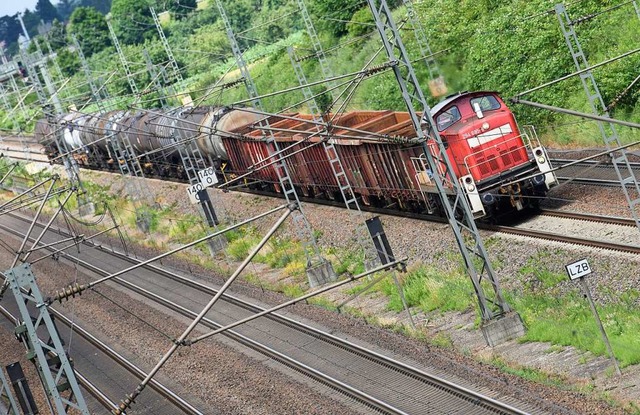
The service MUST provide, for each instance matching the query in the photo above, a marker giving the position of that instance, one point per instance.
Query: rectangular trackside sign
(193, 192)
(208, 177)
(578, 269)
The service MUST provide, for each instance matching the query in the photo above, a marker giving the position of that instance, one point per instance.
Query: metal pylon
(626, 175)
(325, 68)
(303, 228)
(123, 59)
(95, 92)
(371, 259)
(50, 357)
(487, 288)
(421, 38)
(13, 406)
(33, 62)
(154, 77)
(175, 73)
(14, 85)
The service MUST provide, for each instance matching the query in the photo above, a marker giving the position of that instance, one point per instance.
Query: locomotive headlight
(541, 160)
(469, 184)
(485, 126)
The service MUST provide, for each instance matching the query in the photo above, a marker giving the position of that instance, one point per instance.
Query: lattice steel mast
(120, 145)
(425, 50)
(123, 59)
(95, 92)
(175, 74)
(492, 304)
(325, 68)
(50, 358)
(319, 270)
(14, 86)
(625, 172)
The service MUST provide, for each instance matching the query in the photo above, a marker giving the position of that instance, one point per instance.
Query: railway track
(591, 172)
(92, 354)
(380, 383)
(569, 239)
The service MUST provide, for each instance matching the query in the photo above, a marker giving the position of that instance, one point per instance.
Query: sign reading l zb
(578, 269)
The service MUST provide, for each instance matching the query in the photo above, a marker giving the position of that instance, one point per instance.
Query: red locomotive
(500, 168)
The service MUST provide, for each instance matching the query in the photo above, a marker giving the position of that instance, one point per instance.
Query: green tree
(46, 11)
(57, 35)
(68, 61)
(90, 27)
(333, 15)
(9, 29)
(65, 8)
(103, 6)
(132, 21)
(178, 8)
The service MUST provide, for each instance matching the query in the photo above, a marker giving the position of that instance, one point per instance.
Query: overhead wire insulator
(67, 292)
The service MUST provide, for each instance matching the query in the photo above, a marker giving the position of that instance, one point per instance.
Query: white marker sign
(192, 191)
(208, 177)
(578, 269)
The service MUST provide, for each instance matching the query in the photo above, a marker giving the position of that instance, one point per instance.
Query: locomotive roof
(449, 99)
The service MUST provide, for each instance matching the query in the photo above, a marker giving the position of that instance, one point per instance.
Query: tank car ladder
(609, 133)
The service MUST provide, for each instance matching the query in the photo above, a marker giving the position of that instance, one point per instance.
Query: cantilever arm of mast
(77, 289)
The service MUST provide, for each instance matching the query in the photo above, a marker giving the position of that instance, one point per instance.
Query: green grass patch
(429, 289)
(528, 373)
(567, 320)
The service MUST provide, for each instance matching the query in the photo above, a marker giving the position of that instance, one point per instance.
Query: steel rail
(438, 382)
(612, 220)
(352, 392)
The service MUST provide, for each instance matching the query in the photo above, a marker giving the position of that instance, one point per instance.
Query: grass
(428, 289)
(534, 375)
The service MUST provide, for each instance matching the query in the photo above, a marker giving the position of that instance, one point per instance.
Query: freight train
(500, 167)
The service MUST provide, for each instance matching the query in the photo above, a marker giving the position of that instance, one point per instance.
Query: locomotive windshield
(447, 118)
(487, 103)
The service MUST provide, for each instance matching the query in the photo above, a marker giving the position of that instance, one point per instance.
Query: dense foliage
(505, 46)
(90, 28)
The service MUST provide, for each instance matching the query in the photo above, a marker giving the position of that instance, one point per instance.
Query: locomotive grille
(506, 158)
(517, 155)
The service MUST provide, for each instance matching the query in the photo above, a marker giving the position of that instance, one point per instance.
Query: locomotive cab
(489, 154)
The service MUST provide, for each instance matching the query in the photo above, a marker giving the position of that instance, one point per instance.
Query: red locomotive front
(490, 156)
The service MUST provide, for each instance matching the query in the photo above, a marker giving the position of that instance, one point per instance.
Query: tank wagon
(501, 168)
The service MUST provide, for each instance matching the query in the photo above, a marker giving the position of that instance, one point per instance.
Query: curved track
(381, 383)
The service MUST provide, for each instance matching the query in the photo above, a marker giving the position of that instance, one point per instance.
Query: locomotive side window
(447, 118)
(486, 103)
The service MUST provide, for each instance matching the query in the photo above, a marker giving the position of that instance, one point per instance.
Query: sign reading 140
(193, 191)
(207, 178)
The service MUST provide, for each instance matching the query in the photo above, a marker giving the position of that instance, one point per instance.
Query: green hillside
(505, 46)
